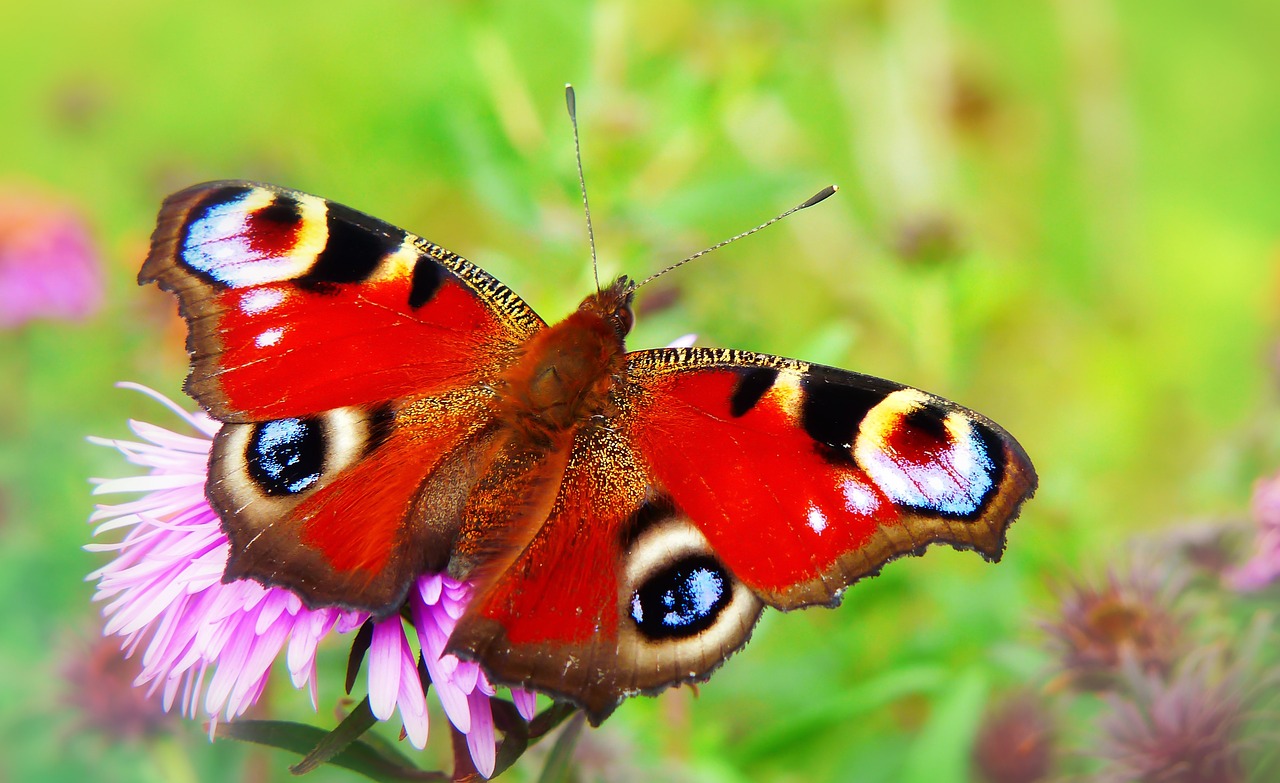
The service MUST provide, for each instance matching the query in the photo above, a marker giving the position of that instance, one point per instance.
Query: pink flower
(1264, 567)
(209, 646)
(48, 267)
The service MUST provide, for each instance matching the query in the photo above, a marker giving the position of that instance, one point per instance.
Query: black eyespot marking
(217, 198)
(354, 249)
(832, 410)
(683, 599)
(928, 420)
(286, 456)
(428, 276)
(993, 446)
(381, 421)
(650, 513)
(283, 210)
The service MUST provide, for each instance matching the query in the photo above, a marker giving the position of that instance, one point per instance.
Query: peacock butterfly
(389, 408)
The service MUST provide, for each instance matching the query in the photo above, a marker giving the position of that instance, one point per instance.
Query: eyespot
(681, 610)
(286, 456)
(682, 599)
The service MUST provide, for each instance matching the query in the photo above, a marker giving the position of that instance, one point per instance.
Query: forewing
(805, 478)
(297, 305)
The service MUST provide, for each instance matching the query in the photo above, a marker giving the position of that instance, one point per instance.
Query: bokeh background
(1062, 214)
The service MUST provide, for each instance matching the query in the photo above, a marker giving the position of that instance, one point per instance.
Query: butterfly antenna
(821, 195)
(572, 104)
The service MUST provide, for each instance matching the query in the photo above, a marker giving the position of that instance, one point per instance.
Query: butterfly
(391, 409)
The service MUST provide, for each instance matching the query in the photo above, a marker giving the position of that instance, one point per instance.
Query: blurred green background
(1062, 214)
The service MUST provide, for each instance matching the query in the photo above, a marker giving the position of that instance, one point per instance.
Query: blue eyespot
(286, 456)
(682, 599)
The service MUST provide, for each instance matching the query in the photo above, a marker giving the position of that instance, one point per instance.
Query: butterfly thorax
(565, 374)
(562, 381)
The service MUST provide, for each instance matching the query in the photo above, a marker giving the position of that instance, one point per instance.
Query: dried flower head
(1205, 549)
(99, 685)
(1129, 619)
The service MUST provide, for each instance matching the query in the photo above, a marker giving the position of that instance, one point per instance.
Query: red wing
(297, 305)
(615, 594)
(806, 478)
(348, 507)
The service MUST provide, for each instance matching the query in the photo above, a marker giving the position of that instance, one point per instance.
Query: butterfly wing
(806, 478)
(347, 507)
(349, 360)
(298, 305)
(617, 593)
(730, 481)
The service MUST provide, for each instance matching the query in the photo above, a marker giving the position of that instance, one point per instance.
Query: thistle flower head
(1128, 619)
(1187, 729)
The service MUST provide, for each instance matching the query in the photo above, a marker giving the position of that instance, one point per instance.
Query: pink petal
(413, 703)
(526, 702)
(429, 588)
(385, 667)
(480, 739)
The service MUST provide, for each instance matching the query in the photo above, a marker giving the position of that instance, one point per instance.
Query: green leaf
(558, 768)
(940, 753)
(518, 735)
(865, 697)
(348, 731)
(375, 763)
(359, 646)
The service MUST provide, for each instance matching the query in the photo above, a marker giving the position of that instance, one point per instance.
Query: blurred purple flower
(1184, 730)
(1130, 619)
(1015, 743)
(98, 685)
(48, 267)
(1264, 567)
(164, 593)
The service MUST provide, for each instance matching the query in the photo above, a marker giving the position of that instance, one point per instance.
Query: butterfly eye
(623, 320)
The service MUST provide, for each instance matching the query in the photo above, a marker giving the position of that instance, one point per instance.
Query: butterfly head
(613, 304)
